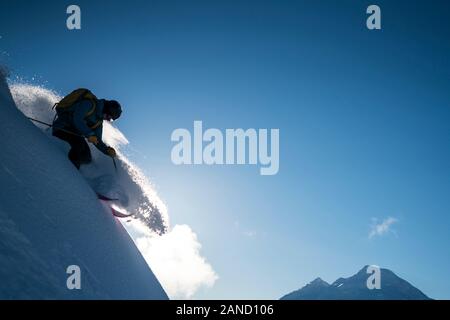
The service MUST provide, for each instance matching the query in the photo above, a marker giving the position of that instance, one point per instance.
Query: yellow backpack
(75, 96)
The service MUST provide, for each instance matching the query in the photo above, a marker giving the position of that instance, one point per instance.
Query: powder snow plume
(128, 184)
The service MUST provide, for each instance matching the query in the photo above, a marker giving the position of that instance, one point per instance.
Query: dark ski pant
(79, 152)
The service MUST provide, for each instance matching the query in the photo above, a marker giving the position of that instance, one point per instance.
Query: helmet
(112, 108)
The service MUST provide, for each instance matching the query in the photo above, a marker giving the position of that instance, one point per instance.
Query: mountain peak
(356, 288)
(319, 282)
(364, 269)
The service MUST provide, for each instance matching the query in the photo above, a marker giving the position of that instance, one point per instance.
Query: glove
(111, 152)
(93, 139)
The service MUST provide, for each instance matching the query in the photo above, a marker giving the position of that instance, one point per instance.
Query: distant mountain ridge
(355, 288)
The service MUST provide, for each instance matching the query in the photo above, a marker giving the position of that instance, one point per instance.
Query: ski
(119, 214)
(115, 212)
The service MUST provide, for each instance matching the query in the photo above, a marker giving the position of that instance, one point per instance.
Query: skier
(80, 116)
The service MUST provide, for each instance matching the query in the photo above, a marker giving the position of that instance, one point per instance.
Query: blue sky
(363, 118)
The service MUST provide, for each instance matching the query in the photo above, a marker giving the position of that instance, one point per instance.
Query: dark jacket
(76, 120)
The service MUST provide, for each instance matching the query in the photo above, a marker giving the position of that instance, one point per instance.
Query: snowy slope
(50, 218)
